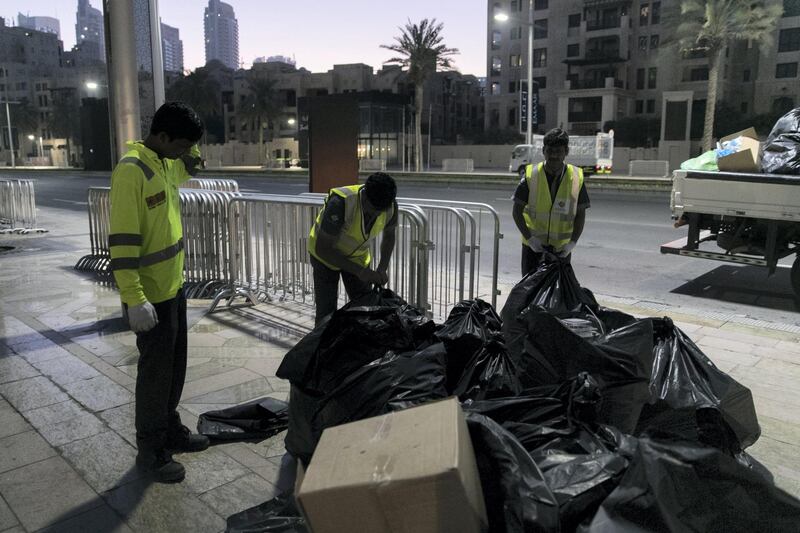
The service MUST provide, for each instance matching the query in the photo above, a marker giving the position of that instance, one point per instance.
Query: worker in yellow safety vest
(146, 242)
(339, 242)
(550, 205)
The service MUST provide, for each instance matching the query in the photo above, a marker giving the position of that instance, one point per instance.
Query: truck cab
(593, 153)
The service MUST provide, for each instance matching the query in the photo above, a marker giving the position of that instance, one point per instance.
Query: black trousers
(531, 260)
(161, 373)
(326, 288)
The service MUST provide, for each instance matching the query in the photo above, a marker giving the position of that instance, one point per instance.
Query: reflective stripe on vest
(552, 222)
(353, 241)
(122, 263)
(148, 172)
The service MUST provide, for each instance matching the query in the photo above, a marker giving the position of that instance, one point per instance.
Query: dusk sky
(317, 33)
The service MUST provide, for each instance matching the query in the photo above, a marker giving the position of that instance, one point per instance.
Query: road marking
(70, 201)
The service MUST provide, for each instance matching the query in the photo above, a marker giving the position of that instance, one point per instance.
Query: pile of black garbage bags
(582, 418)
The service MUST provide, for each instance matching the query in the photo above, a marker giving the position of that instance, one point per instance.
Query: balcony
(609, 24)
(596, 57)
(607, 83)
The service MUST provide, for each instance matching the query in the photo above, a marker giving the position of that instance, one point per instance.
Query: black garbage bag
(478, 365)
(516, 496)
(304, 429)
(554, 289)
(621, 362)
(391, 383)
(256, 419)
(694, 399)
(278, 515)
(580, 462)
(362, 331)
(781, 152)
(674, 485)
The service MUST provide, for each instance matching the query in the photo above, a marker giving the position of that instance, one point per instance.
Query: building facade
(597, 61)
(89, 32)
(43, 24)
(221, 34)
(171, 48)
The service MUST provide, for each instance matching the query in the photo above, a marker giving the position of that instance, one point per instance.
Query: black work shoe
(184, 440)
(160, 466)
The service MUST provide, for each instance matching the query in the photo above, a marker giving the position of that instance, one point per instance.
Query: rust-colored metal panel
(333, 141)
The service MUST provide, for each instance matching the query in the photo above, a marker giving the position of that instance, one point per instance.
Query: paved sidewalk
(67, 375)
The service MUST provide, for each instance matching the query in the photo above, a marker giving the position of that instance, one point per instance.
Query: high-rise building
(222, 34)
(89, 30)
(172, 48)
(43, 24)
(597, 61)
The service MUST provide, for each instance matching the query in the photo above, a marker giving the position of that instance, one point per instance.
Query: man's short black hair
(178, 121)
(556, 137)
(381, 190)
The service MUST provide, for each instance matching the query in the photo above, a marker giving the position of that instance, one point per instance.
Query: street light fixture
(92, 85)
(503, 17)
(291, 122)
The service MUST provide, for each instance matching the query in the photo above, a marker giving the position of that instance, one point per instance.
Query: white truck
(593, 153)
(754, 218)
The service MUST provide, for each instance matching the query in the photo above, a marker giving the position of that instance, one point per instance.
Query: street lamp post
(502, 17)
(10, 137)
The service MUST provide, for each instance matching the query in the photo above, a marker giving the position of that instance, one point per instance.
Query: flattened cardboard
(411, 471)
(747, 159)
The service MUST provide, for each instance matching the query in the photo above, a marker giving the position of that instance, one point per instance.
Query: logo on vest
(156, 200)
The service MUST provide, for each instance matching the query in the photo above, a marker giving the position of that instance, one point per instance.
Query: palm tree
(64, 120)
(709, 26)
(261, 107)
(422, 53)
(199, 90)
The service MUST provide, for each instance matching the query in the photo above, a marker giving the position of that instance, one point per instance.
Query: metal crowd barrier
(205, 235)
(269, 250)
(209, 184)
(18, 207)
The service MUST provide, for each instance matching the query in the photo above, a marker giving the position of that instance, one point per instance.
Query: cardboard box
(747, 159)
(411, 471)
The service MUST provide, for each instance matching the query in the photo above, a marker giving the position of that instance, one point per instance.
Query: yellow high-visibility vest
(354, 240)
(146, 236)
(551, 221)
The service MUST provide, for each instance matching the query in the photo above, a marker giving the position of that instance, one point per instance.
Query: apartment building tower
(43, 24)
(596, 61)
(90, 32)
(221, 34)
(171, 48)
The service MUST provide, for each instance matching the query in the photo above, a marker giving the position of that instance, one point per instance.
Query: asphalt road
(618, 254)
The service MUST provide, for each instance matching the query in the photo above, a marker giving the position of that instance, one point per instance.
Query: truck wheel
(795, 276)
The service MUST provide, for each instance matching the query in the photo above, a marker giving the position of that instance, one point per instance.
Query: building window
(512, 87)
(516, 5)
(541, 81)
(644, 14)
(574, 21)
(654, 41)
(495, 88)
(655, 16)
(786, 70)
(639, 107)
(652, 76)
(539, 4)
(746, 75)
(791, 8)
(515, 60)
(516, 33)
(640, 78)
(789, 40)
(497, 38)
(743, 107)
(643, 42)
(497, 65)
(573, 50)
(540, 29)
(512, 116)
(651, 106)
(698, 74)
(540, 57)
(38, 86)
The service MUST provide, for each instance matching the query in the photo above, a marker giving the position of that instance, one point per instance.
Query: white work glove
(535, 245)
(142, 317)
(567, 249)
